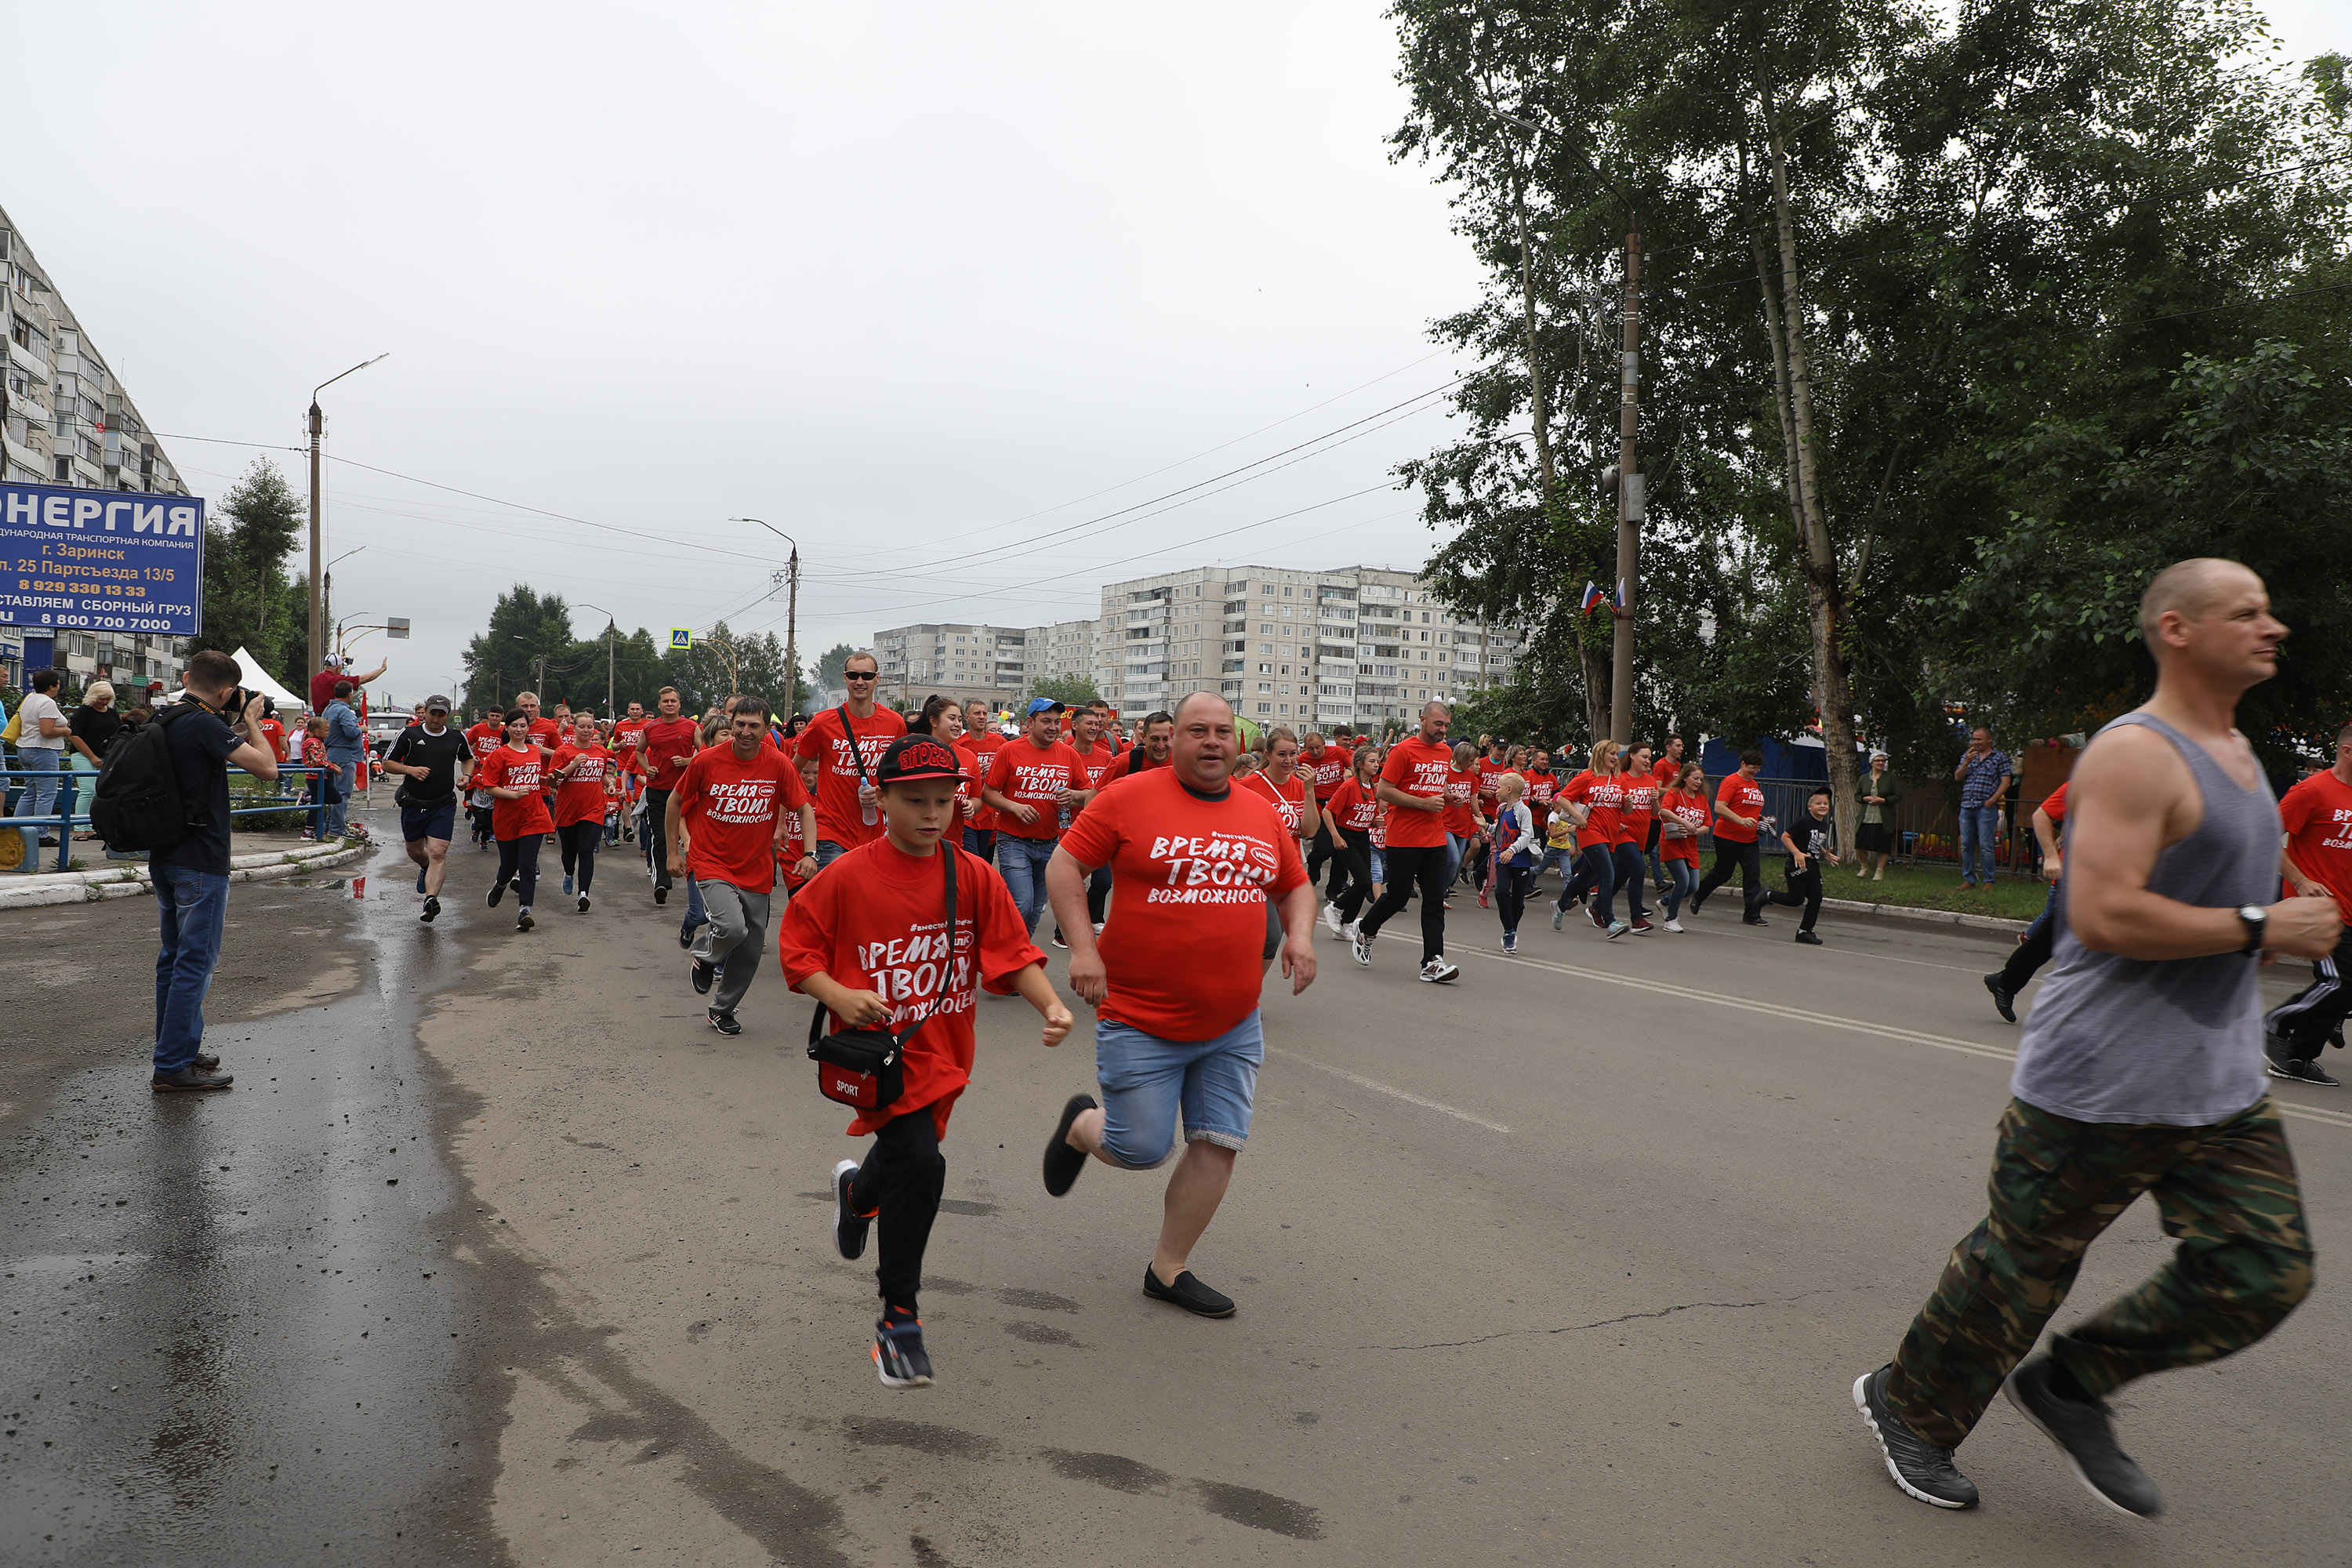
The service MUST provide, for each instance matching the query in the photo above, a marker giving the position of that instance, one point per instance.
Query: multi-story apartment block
(1357, 645)
(65, 420)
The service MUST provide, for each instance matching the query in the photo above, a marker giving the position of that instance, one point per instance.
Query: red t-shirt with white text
(1633, 810)
(1185, 943)
(875, 920)
(979, 750)
(1331, 770)
(730, 808)
(2317, 816)
(1353, 807)
(1461, 789)
(627, 733)
(1690, 810)
(1288, 797)
(1602, 795)
(1741, 794)
(507, 768)
(840, 820)
(1420, 768)
(581, 799)
(1030, 775)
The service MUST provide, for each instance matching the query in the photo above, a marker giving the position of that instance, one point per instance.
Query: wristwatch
(2256, 920)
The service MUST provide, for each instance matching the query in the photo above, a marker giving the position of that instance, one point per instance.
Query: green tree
(1070, 690)
(504, 659)
(830, 664)
(250, 601)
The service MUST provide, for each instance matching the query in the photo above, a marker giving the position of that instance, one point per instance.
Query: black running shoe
(1918, 1467)
(704, 972)
(2086, 1434)
(1063, 1163)
(899, 1354)
(584, 903)
(2294, 1070)
(522, 920)
(1188, 1293)
(1807, 938)
(1754, 921)
(497, 891)
(431, 908)
(661, 894)
(849, 1227)
(191, 1079)
(2004, 1000)
(723, 1022)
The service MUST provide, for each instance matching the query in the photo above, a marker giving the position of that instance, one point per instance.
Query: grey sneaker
(2296, 1070)
(2003, 999)
(2086, 1434)
(1920, 1467)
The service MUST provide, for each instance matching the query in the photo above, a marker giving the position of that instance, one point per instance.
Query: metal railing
(64, 819)
(1926, 826)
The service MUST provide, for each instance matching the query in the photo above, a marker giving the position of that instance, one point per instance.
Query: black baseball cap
(913, 757)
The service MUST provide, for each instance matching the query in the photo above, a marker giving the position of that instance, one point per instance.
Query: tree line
(1954, 328)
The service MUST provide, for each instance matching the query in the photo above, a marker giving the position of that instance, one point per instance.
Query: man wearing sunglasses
(846, 742)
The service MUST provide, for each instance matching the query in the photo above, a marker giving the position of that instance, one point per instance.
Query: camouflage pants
(2226, 1192)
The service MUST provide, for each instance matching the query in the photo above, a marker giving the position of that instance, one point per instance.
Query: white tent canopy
(258, 680)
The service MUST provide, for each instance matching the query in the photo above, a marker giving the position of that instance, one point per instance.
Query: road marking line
(1377, 1087)
(1805, 1015)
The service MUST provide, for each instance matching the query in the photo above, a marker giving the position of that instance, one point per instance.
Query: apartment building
(1359, 646)
(65, 420)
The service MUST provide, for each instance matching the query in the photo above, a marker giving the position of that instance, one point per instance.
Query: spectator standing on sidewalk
(345, 746)
(1984, 773)
(41, 733)
(1875, 838)
(191, 877)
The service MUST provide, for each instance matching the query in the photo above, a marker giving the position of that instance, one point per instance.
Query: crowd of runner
(919, 854)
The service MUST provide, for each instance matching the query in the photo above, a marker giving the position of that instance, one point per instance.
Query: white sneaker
(1437, 971)
(1359, 944)
(1331, 917)
(1675, 926)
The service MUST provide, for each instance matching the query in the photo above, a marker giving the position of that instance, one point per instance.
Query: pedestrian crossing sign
(681, 639)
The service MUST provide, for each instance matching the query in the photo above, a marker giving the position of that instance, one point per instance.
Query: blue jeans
(696, 916)
(40, 797)
(1146, 1080)
(981, 841)
(1455, 845)
(339, 789)
(1379, 866)
(1023, 863)
(194, 908)
(1682, 876)
(828, 852)
(1980, 832)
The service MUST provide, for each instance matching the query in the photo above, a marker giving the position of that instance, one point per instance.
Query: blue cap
(1043, 705)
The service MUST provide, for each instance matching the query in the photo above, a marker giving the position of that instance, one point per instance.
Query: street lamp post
(610, 626)
(792, 611)
(318, 588)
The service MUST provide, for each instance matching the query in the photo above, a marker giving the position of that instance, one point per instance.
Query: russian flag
(1594, 598)
(1621, 595)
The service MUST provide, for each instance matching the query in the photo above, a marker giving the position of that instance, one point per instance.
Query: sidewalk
(260, 856)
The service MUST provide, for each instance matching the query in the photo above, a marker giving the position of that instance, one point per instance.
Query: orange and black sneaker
(899, 1354)
(849, 1227)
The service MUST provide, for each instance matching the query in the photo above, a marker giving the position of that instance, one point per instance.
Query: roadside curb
(1929, 917)
(27, 891)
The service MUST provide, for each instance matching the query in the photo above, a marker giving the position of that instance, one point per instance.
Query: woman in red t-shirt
(1598, 793)
(867, 939)
(1460, 817)
(1683, 812)
(1634, 811)
(585, 775)
(1280, 781)
(1353, 811)
(513, 775)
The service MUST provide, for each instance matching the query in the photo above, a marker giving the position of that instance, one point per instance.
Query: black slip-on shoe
(849, 1227)
(431, 908)
(2085, 1436)
(1922, 1469)
(497, 891)
(207, 1062)
(2004, 1000)
(704, 972)
(1809, 939)
(189, 1080)
(661, 894)
(1063, 1163)
(1188, 1293)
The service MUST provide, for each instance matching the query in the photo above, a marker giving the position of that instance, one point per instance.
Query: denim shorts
(1146, 1080)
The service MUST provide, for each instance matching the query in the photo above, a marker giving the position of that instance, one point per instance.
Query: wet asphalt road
(231, 1330)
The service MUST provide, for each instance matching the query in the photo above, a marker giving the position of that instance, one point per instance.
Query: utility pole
(318, 589)
(610, 626)
(792, 611)
(1630, 499)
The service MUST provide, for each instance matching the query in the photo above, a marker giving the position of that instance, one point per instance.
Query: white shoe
(1331, 917)
(1437, 971)
(1359, 944)
(1675, 926)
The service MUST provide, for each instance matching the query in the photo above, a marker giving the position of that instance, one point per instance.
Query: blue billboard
(107, 561)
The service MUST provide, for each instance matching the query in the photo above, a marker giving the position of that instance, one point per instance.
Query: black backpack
(137, 803)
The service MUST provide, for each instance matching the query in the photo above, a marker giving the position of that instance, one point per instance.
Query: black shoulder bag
(867, 1067)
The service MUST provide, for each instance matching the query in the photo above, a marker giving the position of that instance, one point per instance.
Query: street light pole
(792, 611)
(318, 588)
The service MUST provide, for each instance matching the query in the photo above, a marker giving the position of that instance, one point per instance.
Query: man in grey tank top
(2141, 1070)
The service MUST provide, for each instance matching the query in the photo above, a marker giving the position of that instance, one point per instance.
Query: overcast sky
(920, 285)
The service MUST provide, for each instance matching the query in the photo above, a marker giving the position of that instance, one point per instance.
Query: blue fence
(64, 819)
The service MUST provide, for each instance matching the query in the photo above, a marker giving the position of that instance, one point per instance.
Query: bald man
(2140, 1070)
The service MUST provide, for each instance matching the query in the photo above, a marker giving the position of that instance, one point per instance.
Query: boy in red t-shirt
(868, 938)
(730, 804)
(1199, 867)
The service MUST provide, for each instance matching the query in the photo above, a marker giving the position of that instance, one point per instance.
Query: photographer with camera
(215, 727)
(436, 761)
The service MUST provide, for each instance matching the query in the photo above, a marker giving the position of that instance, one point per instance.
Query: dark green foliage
(1070, 690)
(249, 600)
